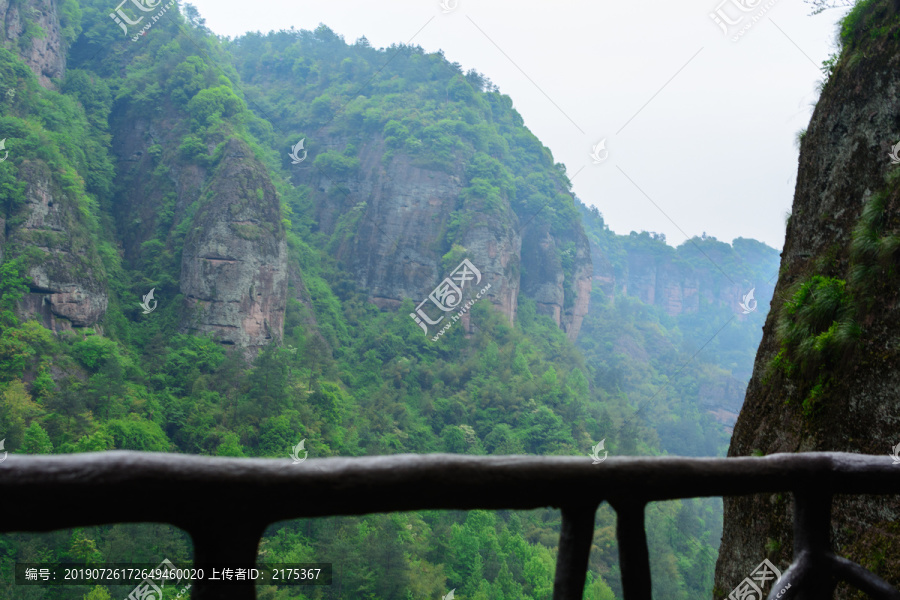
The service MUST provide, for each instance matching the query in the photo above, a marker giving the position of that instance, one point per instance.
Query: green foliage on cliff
(349, 378)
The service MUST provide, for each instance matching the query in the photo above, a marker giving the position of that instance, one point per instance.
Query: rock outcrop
(663, 280)
(41, 49)
(67, 285)
(391, 222)
(848, 404)
(234, 263)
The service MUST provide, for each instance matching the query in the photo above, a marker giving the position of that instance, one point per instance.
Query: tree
(230, 445)
(36, 440)
(99, 593)
(13, 286)
(453, 440)
(16, 408)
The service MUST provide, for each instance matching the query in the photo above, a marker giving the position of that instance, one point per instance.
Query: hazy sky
(698, 127)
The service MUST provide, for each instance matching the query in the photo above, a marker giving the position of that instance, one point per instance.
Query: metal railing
(225, 504)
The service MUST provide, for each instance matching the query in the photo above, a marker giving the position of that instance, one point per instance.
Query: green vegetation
(819, 326)
(861, 20)
(350, 379)
(815, 328)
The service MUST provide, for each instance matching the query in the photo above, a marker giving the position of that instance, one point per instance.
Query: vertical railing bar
(575, 540)
(225, 545)
(634, 559)
(812, 544)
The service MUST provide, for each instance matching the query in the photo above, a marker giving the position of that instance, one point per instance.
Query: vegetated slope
(414, 165)
(685, 365)
(152, 165)
(826, 374)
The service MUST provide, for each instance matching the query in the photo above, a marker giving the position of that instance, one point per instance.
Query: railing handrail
(118, 486)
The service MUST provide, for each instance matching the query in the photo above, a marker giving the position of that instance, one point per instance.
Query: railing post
(634, 558)
(812, 540)
(574, 551)
(225, 544)
(812, 574)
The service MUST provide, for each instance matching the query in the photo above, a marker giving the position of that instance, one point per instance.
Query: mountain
(224, 247)
(826, 372)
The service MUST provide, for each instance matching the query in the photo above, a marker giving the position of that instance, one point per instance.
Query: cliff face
(390, 221)
(67, 285)
(840, 240)
(234, 262)
(41, 49)
(662, 280)
(233, 271)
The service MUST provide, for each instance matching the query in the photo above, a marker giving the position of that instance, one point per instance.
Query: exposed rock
(139, 209)
(544, 277)
(843, 160)
(393, 221)
(234, 263)
(67, 286)
(45, 54)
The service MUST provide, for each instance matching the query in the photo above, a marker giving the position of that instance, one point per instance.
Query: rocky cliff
(393, 222)
(33, 30)
(682, 280)
(234, 261)
(826, 374)
(67, 281)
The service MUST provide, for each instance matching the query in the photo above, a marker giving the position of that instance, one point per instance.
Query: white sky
(715, 147)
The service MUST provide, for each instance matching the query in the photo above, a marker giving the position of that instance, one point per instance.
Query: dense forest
(349, 377)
